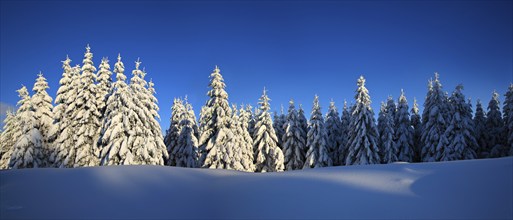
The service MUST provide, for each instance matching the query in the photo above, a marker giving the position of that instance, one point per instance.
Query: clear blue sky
(294, 49)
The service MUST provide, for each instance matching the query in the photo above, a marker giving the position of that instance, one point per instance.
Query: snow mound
(476, 189)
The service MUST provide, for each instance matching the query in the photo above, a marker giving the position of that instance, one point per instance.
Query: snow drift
(475, 189)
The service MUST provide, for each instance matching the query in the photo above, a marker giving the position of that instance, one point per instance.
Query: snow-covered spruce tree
(417, 131)
(122, 137)
(27, 152)
(435, 121)
(10, 134)
(344, 134)
(363, 134)
(495, 129)
(64, 130)
(252, 121)
(104, 79)
(171, 140)
(268, 156)
(460, 131)
(150, 148)
(317, 154)
(246, 146)
(186, 154)
(85, 118)
(480, 130)
(278, 122)
(391, 108)
(43, 113)
(303, 123)
(215, 143)
(333, 132)
(386, 136)
(294, 144)
(403, 131)
(508, 118)
(381, 128)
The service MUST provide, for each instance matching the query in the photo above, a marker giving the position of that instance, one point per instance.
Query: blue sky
(296, 49)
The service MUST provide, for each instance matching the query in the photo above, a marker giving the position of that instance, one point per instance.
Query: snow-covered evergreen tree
(333, 132)
(171, 140)
(151, 149)
(86, 118)
(27, 152)
(417, 131)
(104, 79)
(460, 131)
(278, 122)
(508, 118)
(480, 130)
(268, 156)
(294, 144)
(363, 134)
(246, 146)
(64, 131)
(252, 120)
(391, 108)
(435, 122)
(495, 143)
(10, 134)
(303, 124)
(344, 134)
(186, 154)
(316, 142)
(382, 123)
(403, 131)
(387, 144)
(215, 146)
(43, 113)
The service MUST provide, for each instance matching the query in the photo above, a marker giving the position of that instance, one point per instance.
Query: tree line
(97, 121)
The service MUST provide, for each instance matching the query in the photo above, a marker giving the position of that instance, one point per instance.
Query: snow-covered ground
(477, 189)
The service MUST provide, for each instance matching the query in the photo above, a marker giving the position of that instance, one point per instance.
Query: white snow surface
(474, 189)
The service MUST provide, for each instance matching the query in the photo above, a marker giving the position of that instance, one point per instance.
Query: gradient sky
(296, 49)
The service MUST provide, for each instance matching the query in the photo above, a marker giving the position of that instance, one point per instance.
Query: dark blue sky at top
(296, 49)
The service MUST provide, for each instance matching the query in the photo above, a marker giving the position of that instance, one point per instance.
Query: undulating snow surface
(473, 189)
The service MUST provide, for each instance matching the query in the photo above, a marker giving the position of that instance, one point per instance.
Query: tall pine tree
(435, 122)
(104, 79)
(11, 132)
(363, 134)
(294, 144)
(460, 132)
(388, 147)
(495, 129)
(316, 142)
(416, 124)
(43, 112)
(333, 132)
(171, 139)
(186, 154)
(27, 152)
(403, 131)
(268, 156)
(508, 118)
(344, 134)
(480, 130)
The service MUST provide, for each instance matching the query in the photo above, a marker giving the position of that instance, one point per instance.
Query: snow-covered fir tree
(480, 130)
(10, 134)
(186, 153)
(386, 141)
(64, 131)
(363, 134)
(316, 142)
(86, 118)
(391, 108)
(268, 156)
(294, 144)
(382, 122)
(43, 113)
(333, 132)
(246, 146)
(495, 142)
(508, 118)
(435, 122)
(104, 79)
(252, 121)
(460, 131)
(171, 139)
(27, 152)
(303, 124)
(152, 149)
(122, 138)
(417, 131)
(403, 131)
(215, 143)
(344, 134)
(278, 122)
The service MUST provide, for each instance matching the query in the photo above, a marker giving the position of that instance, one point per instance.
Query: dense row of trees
(96, 121)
